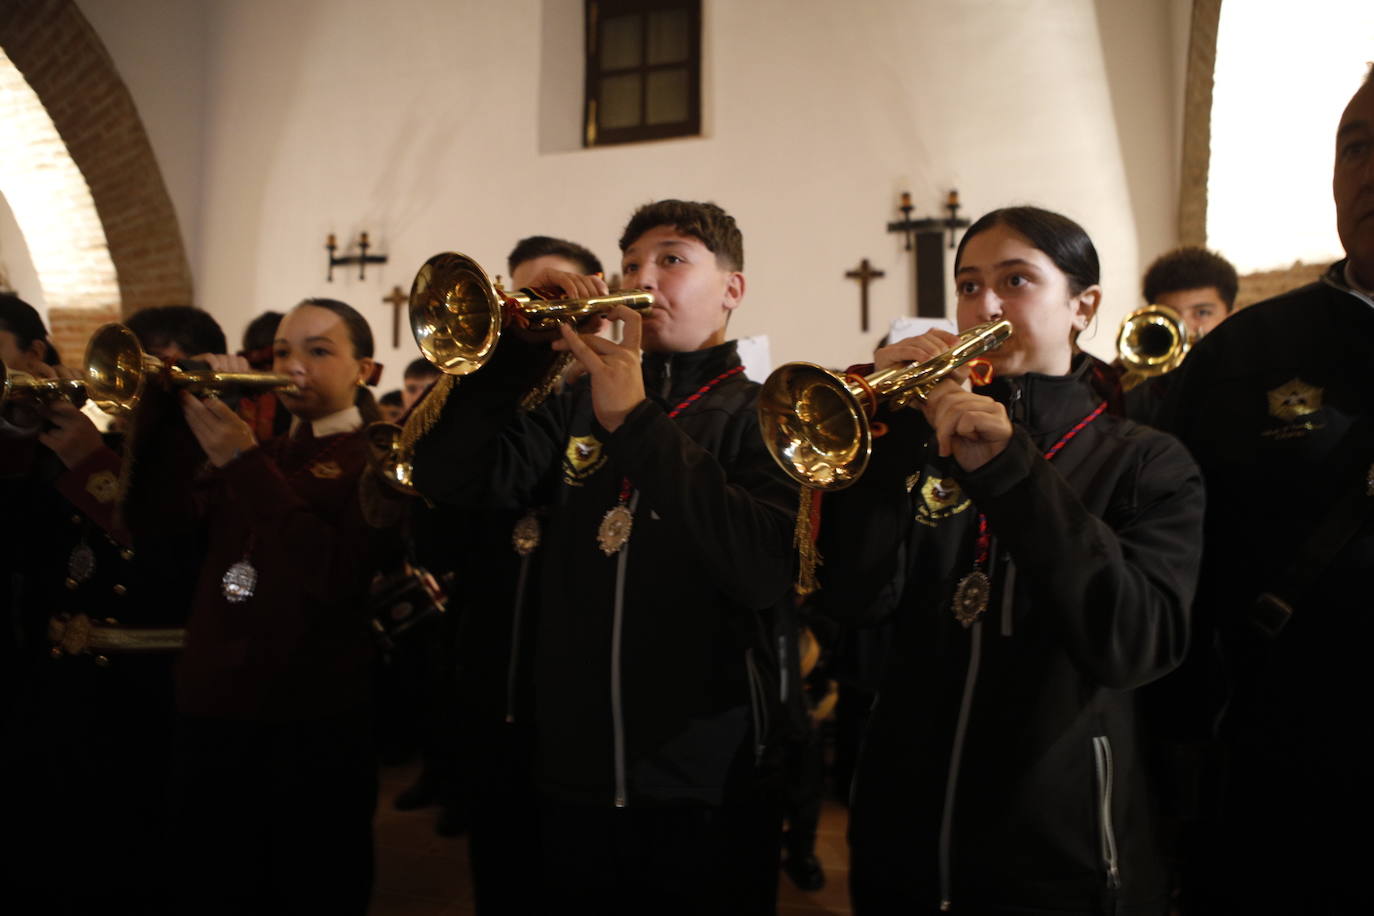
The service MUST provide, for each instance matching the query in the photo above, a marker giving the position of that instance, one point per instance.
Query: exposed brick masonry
(65, 63)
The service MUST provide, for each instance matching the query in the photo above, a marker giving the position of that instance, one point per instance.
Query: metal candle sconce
(362, 258)
(927, 260)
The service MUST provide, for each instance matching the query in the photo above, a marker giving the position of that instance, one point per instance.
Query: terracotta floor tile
(422, 874)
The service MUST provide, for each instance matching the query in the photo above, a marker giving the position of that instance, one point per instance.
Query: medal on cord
(972, 593)
(240, 580)
(615, 526)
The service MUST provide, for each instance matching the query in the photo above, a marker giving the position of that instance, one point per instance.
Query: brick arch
(59, 55)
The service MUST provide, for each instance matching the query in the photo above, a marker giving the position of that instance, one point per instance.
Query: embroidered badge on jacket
(326, 470)
(1294, 402)
(583, 458)
(103, 486)
(940, 498)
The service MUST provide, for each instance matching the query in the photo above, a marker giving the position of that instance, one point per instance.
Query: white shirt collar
(345, 421)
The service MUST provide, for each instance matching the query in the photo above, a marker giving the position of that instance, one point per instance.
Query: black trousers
(86, 776)
(274, 817)
(665, 860)
(503, 830)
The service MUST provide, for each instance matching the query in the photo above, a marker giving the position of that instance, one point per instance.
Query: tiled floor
(422, 874)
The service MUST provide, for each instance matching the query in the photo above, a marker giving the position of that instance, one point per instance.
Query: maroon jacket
(299, 647)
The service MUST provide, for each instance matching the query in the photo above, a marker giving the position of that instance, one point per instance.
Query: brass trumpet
(815, 423)
(21, 386)
(457, 313)
(389, 458)
(117, 373)
(1152, 341)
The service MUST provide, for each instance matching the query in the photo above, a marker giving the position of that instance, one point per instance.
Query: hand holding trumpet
(222, 434)
(614, 368)
(971, 427)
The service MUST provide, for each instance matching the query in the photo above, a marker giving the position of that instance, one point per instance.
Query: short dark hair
(190, 328)
(261, 331)
(706, 222)
(21, 319)
(1190, 267)
(539, 246)
(420, 368)
(1062, 240)
(392, 399)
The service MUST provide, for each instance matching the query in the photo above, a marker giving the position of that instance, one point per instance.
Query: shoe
(420, 795)
(805, 872)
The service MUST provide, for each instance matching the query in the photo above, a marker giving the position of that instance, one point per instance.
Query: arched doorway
(81, 177)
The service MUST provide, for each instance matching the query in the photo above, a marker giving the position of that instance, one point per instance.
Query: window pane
(620, 45)
(667, 96)
(667, 36)
(619, 102)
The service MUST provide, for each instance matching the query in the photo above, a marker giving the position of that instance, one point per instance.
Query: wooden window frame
(595, 11)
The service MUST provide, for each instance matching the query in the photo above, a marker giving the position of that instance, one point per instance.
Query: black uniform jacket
(1278, 406)
(645, 662)
(1003, 767)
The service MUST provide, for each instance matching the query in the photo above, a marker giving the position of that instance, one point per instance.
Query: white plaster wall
(16, 265)
(427, 123)
(159, 47)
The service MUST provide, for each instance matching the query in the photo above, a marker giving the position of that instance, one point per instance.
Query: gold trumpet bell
(815, 423)
(1152, 341)
(117, 369)
(814, 426)
(455, 313)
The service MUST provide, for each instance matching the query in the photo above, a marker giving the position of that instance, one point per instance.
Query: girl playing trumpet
(1038, 555)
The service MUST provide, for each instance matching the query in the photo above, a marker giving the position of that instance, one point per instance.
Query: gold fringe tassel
(808, 527)
(426, 413)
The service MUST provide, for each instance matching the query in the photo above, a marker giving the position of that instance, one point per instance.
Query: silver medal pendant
(971, 597)
(239, 582)
(81, 563)
(614, 530)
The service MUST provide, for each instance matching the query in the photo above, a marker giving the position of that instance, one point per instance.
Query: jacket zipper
(1008, 580)
(783, 686)
(1102, 758)
(617, 706)
(756, 706)
(617, 625)
(515, 639)
(955, 756)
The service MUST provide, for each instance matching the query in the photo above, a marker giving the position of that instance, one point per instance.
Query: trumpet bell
(116, 369)
(814, 427)
(1152, 341)
(455, 313)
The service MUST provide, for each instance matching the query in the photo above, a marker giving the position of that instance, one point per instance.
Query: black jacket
(1278, 406)
(645, 663)
(1003, 769)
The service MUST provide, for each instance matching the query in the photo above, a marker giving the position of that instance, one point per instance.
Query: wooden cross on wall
(396, 300)
(864, 273)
